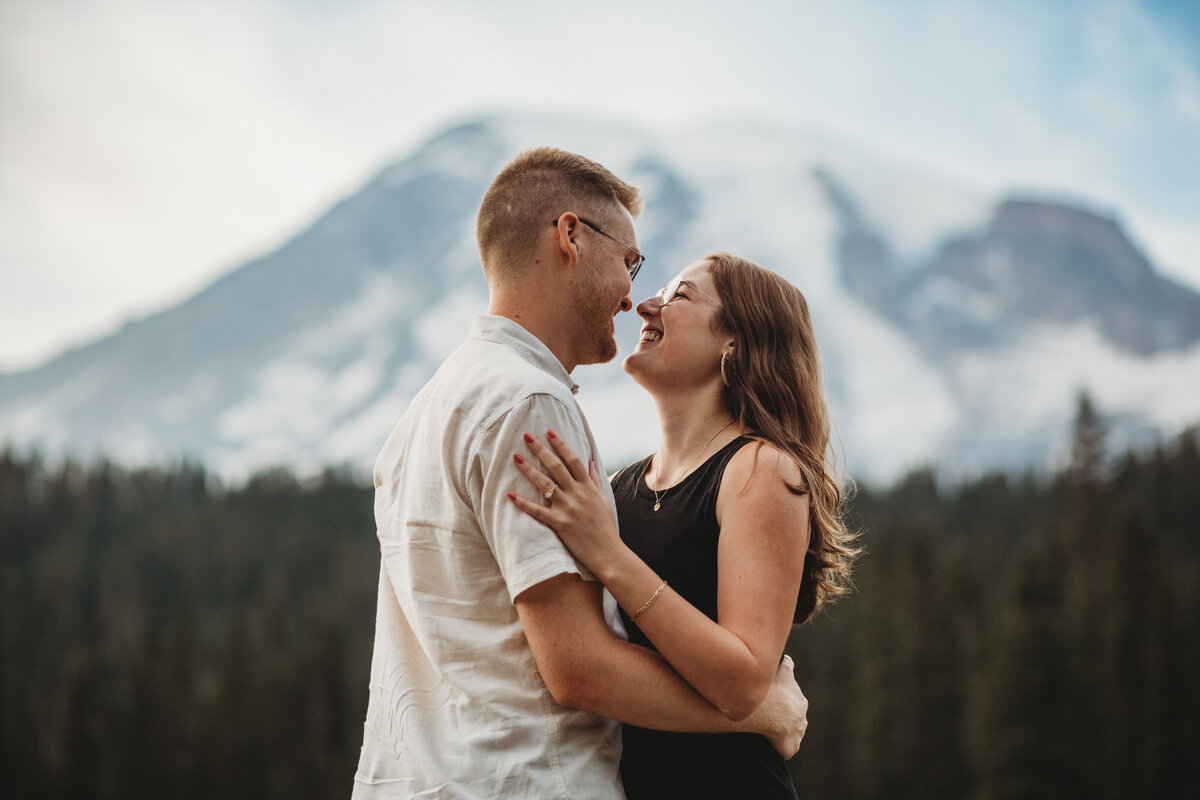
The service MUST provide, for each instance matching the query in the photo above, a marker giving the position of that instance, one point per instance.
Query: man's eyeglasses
(670, 293)
(638, 258)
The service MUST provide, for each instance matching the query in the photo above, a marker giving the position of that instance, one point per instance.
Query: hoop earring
(724, 378)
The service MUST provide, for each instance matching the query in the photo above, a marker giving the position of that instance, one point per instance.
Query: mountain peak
(1105, 247)
(1032, 263)
(930, 308)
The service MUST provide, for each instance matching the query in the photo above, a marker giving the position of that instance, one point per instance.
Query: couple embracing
(502, 666)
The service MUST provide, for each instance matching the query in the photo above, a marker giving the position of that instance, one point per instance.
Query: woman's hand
(576, 507)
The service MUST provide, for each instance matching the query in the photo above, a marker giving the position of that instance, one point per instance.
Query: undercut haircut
(531, 192)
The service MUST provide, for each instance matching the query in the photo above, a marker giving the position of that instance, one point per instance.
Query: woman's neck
(694, 426)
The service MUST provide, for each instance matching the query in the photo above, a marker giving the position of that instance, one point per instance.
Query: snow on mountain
(955, 329)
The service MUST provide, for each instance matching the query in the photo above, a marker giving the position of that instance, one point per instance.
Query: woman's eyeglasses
(671, 292)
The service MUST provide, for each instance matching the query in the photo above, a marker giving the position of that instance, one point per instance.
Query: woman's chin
(638, 367)
(634, 363)
(630, 363)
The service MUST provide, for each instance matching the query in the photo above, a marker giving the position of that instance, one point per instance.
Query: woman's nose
(649, 307)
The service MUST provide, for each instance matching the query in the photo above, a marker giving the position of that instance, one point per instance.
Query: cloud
(146, 147)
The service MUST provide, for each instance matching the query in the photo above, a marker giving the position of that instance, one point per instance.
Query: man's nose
(627, 300)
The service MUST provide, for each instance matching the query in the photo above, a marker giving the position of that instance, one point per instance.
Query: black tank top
(679, 542)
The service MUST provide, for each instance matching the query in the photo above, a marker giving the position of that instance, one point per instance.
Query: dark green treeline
(1008, 638)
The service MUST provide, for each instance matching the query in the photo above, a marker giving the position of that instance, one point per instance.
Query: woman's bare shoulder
(760, 466)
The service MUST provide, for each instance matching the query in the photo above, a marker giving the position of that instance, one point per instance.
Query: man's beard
(606, 346)
(595, 331)
(596, 341)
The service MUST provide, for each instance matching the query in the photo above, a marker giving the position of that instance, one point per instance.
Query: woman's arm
(760, 557)
(585, 666)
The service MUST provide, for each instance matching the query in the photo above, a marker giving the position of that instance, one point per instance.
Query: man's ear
(565, 232)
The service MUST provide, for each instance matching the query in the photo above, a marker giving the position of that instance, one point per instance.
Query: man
(496, 670)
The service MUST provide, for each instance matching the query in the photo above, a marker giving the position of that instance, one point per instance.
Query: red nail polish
(529, 438)
(518, 459)
(551, 435)
(512, 496)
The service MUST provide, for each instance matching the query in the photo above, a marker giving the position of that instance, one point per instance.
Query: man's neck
(541, 318)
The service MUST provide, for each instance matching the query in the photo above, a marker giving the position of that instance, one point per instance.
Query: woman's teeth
(651, 336)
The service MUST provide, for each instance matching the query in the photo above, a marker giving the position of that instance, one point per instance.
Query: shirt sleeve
(527, 551)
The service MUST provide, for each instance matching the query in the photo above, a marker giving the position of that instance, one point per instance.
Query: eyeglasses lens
(668, 294)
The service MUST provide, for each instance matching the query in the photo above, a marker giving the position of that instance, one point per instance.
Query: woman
(730, 533)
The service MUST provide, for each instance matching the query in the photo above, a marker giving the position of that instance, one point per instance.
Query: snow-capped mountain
(955, 329)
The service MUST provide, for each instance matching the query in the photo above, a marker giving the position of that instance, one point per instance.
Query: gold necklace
(658, 496)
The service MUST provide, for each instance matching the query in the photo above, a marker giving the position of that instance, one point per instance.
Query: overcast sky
(147, 147)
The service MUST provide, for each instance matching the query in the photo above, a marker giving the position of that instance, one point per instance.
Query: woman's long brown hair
(776, 394)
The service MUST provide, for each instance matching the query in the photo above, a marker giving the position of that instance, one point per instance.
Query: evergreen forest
(162, 635)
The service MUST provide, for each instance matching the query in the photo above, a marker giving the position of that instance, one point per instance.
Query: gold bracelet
(649, 602)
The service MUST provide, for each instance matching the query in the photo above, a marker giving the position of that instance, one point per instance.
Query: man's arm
(585, 666)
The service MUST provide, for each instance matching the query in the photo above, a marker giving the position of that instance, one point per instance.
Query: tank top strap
(714, 468)
(704, 483)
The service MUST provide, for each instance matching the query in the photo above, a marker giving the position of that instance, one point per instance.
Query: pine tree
(1087, 444)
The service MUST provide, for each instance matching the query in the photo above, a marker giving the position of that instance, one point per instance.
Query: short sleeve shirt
(457, 707)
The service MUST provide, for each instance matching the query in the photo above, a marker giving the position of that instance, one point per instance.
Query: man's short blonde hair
(531, 192)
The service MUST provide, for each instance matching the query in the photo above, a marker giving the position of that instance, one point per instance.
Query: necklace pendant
(657, 505)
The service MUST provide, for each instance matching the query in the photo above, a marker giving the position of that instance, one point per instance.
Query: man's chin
(603, 354)
(607, 355)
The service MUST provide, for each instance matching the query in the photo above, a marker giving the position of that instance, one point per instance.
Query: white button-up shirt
(457, 706)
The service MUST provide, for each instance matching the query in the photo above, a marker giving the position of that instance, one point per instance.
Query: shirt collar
(505, 331)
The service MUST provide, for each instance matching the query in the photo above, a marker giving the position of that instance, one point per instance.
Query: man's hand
(782, 716)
